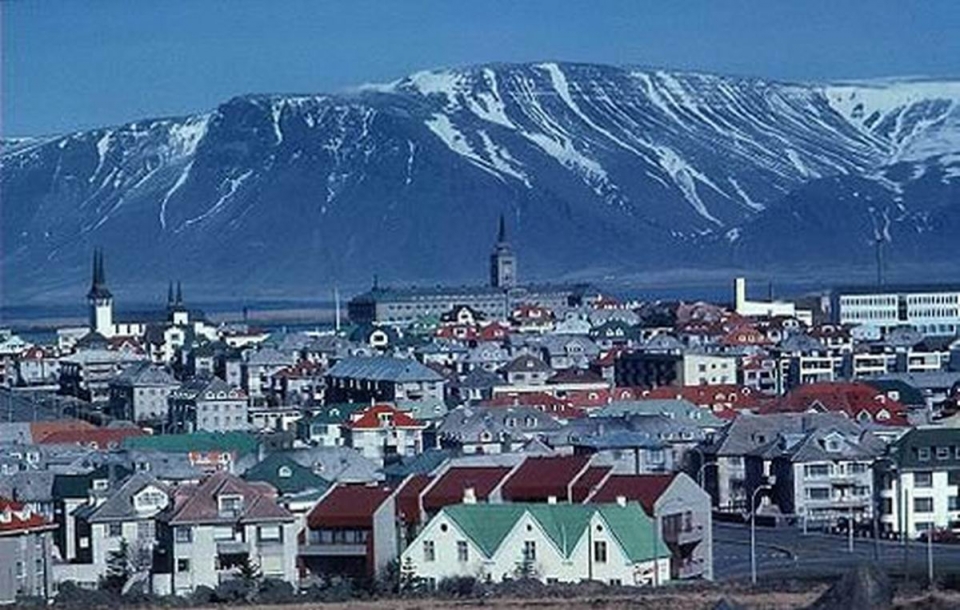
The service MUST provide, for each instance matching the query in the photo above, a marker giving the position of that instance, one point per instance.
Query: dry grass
(691, 600)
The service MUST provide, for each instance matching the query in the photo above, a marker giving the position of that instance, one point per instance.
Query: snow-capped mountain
(600, 170)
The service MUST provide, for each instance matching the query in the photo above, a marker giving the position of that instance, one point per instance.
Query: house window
(429, 551)
(816, 470)
(183, 565)
(600, 551)
(953, 502)
(923, 454)
(269, 533)
(953, 477)
(818, 493)
(943, 453)
(463, 554)
(183, 534)
(114, 530)
(230, 504)
(923, 505)
(923, 479)
(529, 550)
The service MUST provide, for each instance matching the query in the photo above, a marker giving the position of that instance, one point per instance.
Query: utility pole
(753, 532)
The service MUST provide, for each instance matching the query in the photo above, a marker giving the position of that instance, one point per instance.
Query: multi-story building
(87, 374)
(209, 405)
(824, 476)
(921, 482)
(140, 393)
(653, 370)
(930, 309)
(26, 543)
(382, 379)
(352, 531)
(405, 306)
(114, 517)
(217, 526)
(383, 432)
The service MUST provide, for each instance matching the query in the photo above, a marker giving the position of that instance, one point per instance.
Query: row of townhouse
(356, 530)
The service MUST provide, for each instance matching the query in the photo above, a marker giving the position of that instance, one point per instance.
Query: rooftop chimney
(621, 500)
(469, 495)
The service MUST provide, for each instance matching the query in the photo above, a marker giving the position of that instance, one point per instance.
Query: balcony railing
(336, 549)
(683, 535)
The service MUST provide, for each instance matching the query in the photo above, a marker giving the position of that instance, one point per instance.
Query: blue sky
(74, 64)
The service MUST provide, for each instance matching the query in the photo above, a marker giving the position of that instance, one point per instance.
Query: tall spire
(502, 230)
(98, 285)
(179, 294)
(170, 295)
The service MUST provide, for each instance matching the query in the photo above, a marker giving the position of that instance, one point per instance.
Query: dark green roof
(285, 475)
(240, 443)
(337, 413)
(908, 395)
(78, 485)
(906, 451)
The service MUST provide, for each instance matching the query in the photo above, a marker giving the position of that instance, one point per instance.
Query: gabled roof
(527, 364)
(575, 375)
(540, 478)
(101, 438)
(383, 416)
(643, 488)
(449, 488)
(119, 505)
(408, 498)
(208, 388)
(16, 519)
(383, 368)
(588, 481)
(145, 374)
(199, 503)
(348, 505)
(285, 475)
(487, 525)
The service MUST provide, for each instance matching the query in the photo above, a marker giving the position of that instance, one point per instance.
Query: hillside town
(497, 432)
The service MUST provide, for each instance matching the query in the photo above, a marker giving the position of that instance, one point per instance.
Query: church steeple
(503, 262)
(98, 285)
(179, 302)
(100, 298)
(170, 302)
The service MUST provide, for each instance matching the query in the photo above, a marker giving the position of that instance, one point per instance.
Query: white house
(612, 543)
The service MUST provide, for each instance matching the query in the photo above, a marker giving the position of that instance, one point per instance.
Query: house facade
(612, 543)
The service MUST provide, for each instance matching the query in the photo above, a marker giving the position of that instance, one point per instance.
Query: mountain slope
(600, 170)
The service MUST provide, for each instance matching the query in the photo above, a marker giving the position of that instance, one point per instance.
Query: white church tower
(100, 299)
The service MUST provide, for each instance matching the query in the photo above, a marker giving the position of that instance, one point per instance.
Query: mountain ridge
(628, 169)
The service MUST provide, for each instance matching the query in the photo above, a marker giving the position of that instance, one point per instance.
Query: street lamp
(753, 531)
(703, 467)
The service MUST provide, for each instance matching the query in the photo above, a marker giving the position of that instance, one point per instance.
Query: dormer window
(100, 484)
(230, 504)
(833, 445)
(285, 472)
(923, 454)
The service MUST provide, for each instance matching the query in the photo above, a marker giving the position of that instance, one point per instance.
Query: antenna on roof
(878, 244)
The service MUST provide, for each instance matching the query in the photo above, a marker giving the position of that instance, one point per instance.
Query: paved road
(783, 552)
